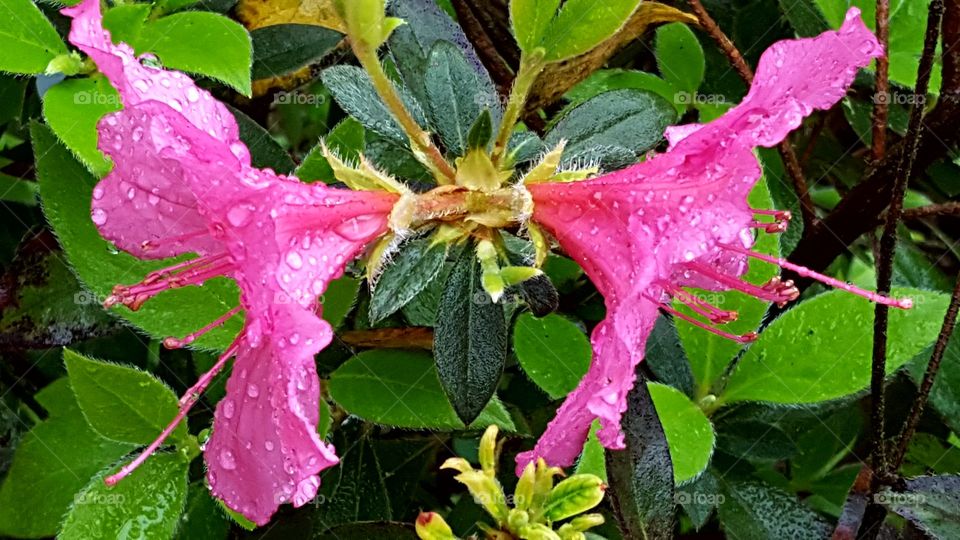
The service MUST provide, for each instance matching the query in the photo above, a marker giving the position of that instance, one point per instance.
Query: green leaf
(699, 498)
(931, 503)
(470, 340)
(66, 189)
(553, 351)
(710, 354)
(52, 462)
(339, 299)
(72, 109)
(757, 510)
(812, 354)
(665, 357)
(125, 21)
(641, 476)
(687, 429)
(680, 57)
(282, 48)
(621, 117)
(592, 459)
(202, 518)
(202, 42)
(581, 25)
(381, 530)
(147, 504)
(28, 42)
(754, 440)
(354, 92)
(530, 19)
(456, 94)
(122, 403)
(411, 271)
(346, 139)
(401, 388)
(18, 190)
(265, 151)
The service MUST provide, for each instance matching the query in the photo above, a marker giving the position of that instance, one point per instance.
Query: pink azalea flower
(182, 182)
(681, 219)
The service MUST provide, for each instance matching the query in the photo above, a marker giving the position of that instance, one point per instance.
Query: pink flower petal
(638, 232)
(138, 83)
(264, 450)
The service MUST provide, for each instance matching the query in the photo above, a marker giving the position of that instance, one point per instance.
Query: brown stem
(390, 338)
(926, 384)
(736, 59)
(881, 99)
(941, 209)
(500, 71)
(888, 244)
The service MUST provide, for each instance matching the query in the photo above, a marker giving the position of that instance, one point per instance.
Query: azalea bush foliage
(532, 269)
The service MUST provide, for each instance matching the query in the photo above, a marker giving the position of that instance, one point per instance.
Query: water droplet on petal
(252, 390)
(99, 216)
(228, 408)
(227, 461)
(294, 260)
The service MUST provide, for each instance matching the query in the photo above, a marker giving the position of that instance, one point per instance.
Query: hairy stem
(530, 67)
(420, 140)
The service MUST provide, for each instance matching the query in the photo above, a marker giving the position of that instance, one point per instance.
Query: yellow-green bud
(431, 526)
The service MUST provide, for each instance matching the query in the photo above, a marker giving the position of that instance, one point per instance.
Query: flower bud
(431, 526)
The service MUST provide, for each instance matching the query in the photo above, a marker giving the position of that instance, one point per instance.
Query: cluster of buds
(538, 504)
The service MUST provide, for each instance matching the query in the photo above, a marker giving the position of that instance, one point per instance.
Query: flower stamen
(175, 343)
(193, 272)
(186, 403)
(902, 303)
(700, 306)
(775, 290)
(744, 338)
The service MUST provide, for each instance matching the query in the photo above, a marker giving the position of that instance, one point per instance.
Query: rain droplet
(228, 408)
(294, 260)
(227, 461)
(252, 390)
(99, 216)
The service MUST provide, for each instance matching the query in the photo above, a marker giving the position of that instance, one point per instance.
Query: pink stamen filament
(133, 296)
(148, 245)
(745, 338)
(174, 343)
(772, 228)
(772, 291)
(186, 403)
(702, 308)
(902, 303)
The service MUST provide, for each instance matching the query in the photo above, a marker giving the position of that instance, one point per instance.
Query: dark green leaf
(470, 342)
(665, 357)
(147, 504)
(932, 503)
(18, 190)
(43, 304)
(201, 42)
(699, 498)
(265, 151)
(481, 131)
(66, 189)
(122, 403)
(757, 510)
(945, 394)
(410, 44)
(354, 490)
(605, 80)
(339, 299)
(282, 48)
(613, 119)
(52, 462)
(553, 351)
(456, 95)
(411, 271)
(680, 57)
(202, 518)
(641, 477)
(400, 388)
(381, 530)
(353, 90)
(28, 42)
(754, 440)
(72, 109)
(810, 354)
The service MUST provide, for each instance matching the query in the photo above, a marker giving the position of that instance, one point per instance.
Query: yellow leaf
(259, 13)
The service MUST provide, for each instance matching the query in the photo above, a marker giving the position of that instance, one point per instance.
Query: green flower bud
(488, 451)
